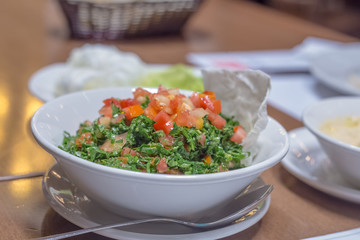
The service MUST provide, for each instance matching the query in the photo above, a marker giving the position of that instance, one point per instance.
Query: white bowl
(345, 157)
(143, 194)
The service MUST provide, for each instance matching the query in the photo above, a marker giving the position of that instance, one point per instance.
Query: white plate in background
(339, 69)
(43, 82)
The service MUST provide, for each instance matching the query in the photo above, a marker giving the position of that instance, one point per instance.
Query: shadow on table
(322, 200)
(53, 223)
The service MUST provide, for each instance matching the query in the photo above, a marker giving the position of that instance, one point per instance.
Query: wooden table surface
(33, 34)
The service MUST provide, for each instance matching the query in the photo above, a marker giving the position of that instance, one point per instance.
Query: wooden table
(33, 35)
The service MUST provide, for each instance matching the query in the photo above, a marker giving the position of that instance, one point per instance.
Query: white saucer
(339, 69)
(76, 207)
(307, 161)
(42, 84)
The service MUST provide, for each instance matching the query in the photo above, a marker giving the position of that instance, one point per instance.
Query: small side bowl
(139, 194)
(345, 157)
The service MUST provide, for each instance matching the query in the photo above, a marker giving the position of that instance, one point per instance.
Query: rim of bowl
(241, 172)
(315, 129)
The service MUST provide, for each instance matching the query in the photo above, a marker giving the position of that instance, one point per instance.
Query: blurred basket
(106, 19)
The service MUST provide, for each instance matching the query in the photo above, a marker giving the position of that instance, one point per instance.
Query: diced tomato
(198, 113)
(133, 111)
(175, 91)
(127, 150)
(105, 121)
(202, 139)
(162, 166)
(216, 120)
(160, 102)
(112, 100)
(195, 99)
(124, 161)
(84, 138)
(163, 90)
(110, 146)
(239, 134)
(210, 93)
(150, 112)
(196, 117)
(217, 106)
(185, 105)
(106, 111)
(163, 122)
(199, 123)
(167, 141)
(207, 159)
(128, 102)
(183, 119)
(118, 118)
(205, 101)
(140, 92)
(212, 104)
(175, 103)
(191, 118)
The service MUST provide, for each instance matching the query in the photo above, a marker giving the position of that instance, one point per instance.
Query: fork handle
(104, 227)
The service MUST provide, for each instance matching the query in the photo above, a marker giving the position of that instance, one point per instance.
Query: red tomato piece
(195, 99)
(217, 106)
(105, 121)
(167, 141)
(175, 103)
(159, 102)
(207, 159)
(84, 137)
(216, 120)
(239, 134)
(133, 111)
(112, 100)
(127, 150)
(183, 119)
(206, 103)
(210, 93)
(106, 111)
(163, 90)
(202, 139)
(140, 92)
(162, 166)
(150, 112)
(163, 122)
(128, 102)
(213, 105)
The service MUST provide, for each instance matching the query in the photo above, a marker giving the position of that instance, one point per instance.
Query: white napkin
(292, 93)
(296, 59)
(291, 90)
(353, 234)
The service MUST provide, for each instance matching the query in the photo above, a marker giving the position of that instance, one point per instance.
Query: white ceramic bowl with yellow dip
(336, 124)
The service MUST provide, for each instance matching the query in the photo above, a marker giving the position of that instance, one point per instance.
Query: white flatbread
(243, 94)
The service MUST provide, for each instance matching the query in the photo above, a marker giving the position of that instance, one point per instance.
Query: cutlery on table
(21, 176)
(248, 200)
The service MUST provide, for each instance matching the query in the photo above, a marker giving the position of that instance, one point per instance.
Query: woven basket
(113, 20)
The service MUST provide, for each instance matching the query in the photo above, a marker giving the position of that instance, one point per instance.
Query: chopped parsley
(134, 144)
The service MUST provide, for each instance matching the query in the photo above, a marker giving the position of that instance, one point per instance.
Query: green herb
(185, 155)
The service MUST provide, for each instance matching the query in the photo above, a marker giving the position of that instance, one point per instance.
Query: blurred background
(340, 15)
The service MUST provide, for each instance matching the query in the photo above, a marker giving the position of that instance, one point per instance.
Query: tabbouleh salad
(164, 132)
